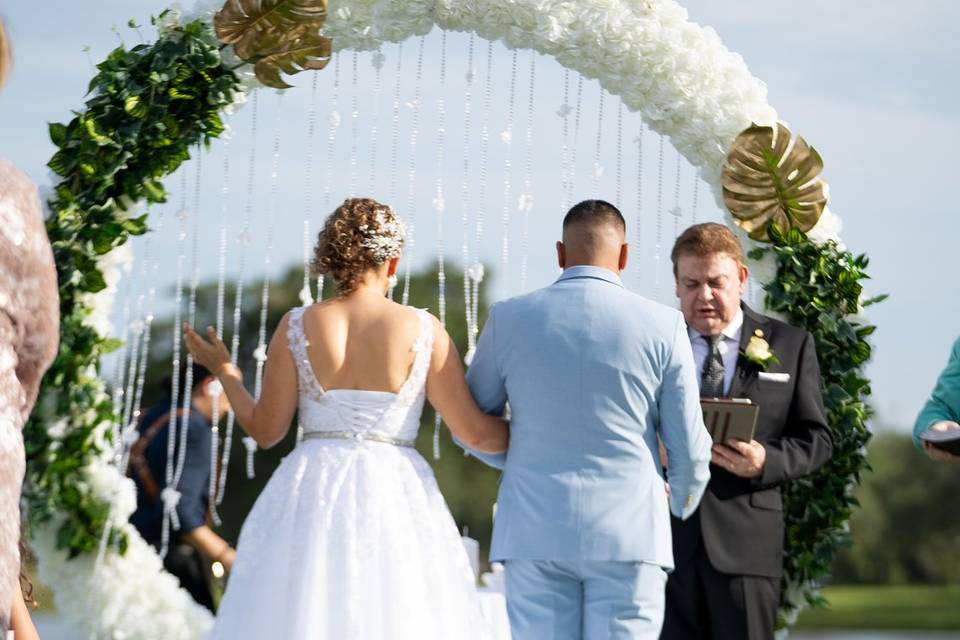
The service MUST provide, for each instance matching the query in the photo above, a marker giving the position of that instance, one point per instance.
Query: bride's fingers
(214, 338)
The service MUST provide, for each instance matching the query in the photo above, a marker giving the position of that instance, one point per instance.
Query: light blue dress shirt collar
(590, 271)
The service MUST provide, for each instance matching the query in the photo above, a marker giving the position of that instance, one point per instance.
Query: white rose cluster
(156, 608)
(114, 266)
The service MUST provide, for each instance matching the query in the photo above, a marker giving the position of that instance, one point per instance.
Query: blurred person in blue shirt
(194, 547)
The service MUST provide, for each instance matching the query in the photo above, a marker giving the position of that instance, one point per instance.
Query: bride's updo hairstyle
(360, 235)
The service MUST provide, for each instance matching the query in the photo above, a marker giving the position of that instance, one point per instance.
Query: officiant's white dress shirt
(729, 350)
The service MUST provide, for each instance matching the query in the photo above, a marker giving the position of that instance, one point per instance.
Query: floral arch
(150, 105)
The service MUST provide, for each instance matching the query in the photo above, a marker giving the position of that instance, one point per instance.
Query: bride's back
(361, 342)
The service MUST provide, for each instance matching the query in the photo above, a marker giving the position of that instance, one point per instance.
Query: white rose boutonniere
(758, 351)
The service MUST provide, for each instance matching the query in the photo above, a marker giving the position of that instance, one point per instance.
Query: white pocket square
(773, 377)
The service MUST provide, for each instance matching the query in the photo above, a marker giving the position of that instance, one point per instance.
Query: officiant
(729, 553)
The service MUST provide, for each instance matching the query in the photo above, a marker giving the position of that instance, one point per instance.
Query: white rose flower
(758, 349)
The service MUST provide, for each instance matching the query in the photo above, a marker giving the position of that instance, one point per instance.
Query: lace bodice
(379, 413)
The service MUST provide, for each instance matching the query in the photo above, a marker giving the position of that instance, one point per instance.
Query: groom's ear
(561, 255)
(624, 255)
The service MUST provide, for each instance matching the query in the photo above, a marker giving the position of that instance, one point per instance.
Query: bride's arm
(266, 420)
(448, 393)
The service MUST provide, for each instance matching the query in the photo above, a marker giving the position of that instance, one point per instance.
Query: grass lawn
(882, 607)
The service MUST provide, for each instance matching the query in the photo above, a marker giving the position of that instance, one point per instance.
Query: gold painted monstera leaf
(770, 177)
(277, 36)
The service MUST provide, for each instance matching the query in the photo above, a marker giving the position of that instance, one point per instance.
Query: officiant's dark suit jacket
(741, 519)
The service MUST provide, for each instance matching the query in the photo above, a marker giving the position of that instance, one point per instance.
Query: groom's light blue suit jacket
(593, 373)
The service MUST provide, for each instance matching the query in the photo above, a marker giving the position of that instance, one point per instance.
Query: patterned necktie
(711, 384)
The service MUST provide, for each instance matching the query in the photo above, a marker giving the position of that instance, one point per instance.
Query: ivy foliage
(148, 106)
(819, 287)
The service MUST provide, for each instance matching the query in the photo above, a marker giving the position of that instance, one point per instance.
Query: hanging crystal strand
(659, 210)
(147, 324)
(130, 434)
(118, 387)
(117, 391)
(170, 496)
(476, 270)
(187, 406)
(597, 171)
(333, 124)
(676, 211)
(306, 296)
(354, 123)
(221, 295)
(564, 112)
(243, 239)
(639, 232)
(465, 196)
(412, 173)
(395, 136)
(696, 195)
(525, 204)
(377, 60)
(136, 330)
(440, 205)
(395, 132)
(619, 202)
(578, 111)
(260, 354)
(507, 138)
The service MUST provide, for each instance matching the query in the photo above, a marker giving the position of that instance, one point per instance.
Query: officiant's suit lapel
(745, 377)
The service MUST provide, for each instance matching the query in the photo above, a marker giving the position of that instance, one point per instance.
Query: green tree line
(906, 529)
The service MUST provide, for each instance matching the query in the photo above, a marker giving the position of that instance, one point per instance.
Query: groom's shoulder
(653, 310)
(521, 302)
(647, 320)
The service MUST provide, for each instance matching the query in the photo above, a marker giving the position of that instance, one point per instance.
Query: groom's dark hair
(592, 212)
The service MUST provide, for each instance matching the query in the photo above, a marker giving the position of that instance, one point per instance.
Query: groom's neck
(603, 264)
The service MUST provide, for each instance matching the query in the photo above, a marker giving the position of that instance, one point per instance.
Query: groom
(593, 374)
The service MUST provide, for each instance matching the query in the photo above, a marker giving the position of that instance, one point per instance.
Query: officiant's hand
(744, 459)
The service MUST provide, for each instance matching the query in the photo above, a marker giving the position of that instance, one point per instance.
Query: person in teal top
(942, 410)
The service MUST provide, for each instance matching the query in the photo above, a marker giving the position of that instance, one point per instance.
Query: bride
(351, 537)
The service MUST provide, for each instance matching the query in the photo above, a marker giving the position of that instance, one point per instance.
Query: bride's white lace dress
(351, 538)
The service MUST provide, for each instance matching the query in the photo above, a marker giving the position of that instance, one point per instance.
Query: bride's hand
(214, 355)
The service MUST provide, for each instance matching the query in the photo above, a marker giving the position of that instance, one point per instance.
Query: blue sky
(872, 86)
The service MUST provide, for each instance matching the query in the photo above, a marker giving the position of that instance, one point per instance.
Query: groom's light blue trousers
(588, 600)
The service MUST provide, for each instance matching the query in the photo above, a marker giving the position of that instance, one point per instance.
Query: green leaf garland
(150, 105)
